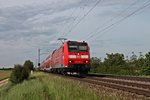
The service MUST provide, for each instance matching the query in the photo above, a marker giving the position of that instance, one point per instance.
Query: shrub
(25, 73)
(146, 70)
(28, 65)
(19, 74)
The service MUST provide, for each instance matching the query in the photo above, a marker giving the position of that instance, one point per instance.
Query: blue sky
(26, 25)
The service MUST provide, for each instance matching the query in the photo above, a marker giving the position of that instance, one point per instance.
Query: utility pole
(38, 57)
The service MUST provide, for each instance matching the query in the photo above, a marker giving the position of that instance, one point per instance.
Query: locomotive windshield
(80, 47)
(83, 48)
(73, 48)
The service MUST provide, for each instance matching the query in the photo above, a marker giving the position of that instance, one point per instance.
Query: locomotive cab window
(73, 48)
(78, 47)
(83, 48)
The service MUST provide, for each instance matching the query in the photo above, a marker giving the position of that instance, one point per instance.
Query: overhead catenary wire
(70, 30)
(112, 19)
(80, 19)
(55, 38)
(68, 23)
(72, 23)
(117, 22)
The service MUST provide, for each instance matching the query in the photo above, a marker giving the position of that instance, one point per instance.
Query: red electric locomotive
(72, 56)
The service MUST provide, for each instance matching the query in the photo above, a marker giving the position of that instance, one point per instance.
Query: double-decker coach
(46, 64)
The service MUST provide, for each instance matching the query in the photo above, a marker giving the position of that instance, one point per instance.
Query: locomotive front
(77, 57)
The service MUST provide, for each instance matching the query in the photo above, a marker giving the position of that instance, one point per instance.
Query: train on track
(70, 57)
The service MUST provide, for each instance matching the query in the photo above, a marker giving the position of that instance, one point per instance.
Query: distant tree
(95, 62)
(140, 61)
(146, 66)
(133, 58)
(141, 55)
(114, 59)
(28, 65)
(147, 62)
(115, 63)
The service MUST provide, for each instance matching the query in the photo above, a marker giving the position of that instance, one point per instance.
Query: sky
(109, 26)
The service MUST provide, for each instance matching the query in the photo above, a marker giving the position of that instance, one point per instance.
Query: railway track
(139, 86)
(136, 85)
(140, 89)
(123, 82)
(133, 78)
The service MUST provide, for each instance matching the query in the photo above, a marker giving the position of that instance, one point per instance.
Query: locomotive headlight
(84, 56)
(86, 61)
(69, 61)
(72, 56)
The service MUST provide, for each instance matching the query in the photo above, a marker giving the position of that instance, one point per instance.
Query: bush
(146, 65)
(25, 73)
(146, 70)
(28, 65)
(19, 74)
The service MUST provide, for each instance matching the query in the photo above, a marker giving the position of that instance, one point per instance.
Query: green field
(45, 87)
(4, 74)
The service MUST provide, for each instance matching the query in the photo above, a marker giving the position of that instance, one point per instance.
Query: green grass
(44, 87)
(4, 74)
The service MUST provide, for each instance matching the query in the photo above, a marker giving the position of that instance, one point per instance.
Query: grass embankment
(4, 74)
(44, 87)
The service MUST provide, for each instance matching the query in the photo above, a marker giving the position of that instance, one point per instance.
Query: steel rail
(138, 91)
(123, 82)
(136, 78)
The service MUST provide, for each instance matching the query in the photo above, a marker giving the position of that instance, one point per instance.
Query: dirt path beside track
(3, 82)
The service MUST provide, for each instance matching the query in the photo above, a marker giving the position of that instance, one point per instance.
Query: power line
(55, 39)
(117, 22)
(69, 21)
(72, 23)
(110, 20)
(84, 17)
(81, 18)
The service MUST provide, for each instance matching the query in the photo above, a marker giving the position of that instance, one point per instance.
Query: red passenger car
(45, 65)
(72, 56)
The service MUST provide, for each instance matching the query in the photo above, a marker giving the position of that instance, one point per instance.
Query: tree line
(116, 63)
